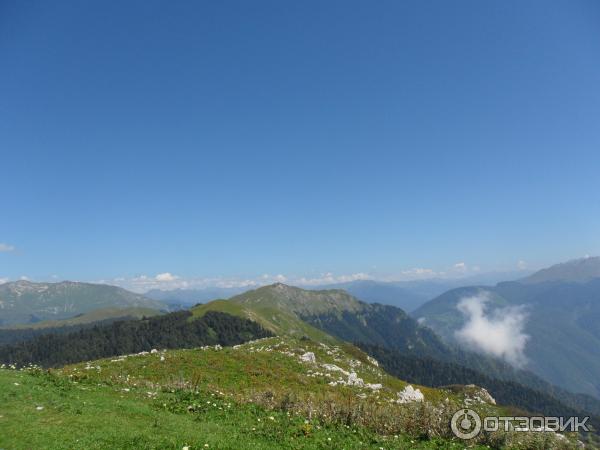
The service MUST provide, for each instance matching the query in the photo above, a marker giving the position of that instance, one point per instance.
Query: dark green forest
(16, 335)
(169, 331)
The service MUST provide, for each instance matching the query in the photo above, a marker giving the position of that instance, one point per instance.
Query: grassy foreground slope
(264, 394)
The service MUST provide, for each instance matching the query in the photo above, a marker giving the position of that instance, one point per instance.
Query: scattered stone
(334, 368)
(372, 361)
(353, 380)
(309, 357)
(410, 395)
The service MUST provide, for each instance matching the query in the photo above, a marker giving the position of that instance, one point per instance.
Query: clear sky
(235, 139)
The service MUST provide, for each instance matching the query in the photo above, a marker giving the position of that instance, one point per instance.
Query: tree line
(169, 331)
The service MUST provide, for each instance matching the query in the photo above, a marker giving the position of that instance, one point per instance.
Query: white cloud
(274, 278)
(4, 280)
(166, 277)
(330, 278)
(6, 247)
(498, 333)
(419, 273)
(521, 265)
(168, 281)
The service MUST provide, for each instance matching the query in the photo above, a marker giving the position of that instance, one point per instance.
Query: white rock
(309, 357)
(487, 398)
(334, 368)
(353, 380)
(153, 351)
(410, 395)
(372, 361)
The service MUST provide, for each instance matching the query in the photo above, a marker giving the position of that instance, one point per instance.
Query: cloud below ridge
(499, 332)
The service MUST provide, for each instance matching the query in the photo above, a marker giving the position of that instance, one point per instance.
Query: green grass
(101, 416)
(277, 320)
(259, 395)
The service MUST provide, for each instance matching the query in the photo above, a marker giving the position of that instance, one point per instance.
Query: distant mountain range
(95, 316)
(560, 308)
(575, 271)
(409, 295)
(24, 302)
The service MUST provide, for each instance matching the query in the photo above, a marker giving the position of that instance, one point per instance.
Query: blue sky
(227, 140)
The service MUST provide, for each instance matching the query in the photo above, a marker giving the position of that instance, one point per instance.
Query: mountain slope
(264, 394)
(97, 315)
(563, 344)
(259, 395)
(322, 314)
(287, 310)
(23, 302)
(575, 271)
(386, 293)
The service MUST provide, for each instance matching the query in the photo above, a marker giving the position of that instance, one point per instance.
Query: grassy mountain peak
(300, 301)
(328, 316)
(278, 308)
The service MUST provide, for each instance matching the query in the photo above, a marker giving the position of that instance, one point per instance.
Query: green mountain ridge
(25, 302)
(334, 316)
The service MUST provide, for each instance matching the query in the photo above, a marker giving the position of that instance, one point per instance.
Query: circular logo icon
(465, 424)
